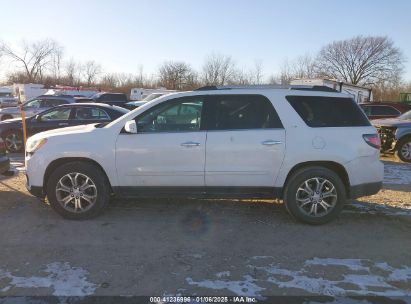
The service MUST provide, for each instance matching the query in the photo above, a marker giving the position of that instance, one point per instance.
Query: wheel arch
(60, 161)
(333, 166)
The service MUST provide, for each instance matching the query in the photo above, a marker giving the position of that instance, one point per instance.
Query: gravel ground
(207, 247)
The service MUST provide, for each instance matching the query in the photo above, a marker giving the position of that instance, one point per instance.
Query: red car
(378, 110)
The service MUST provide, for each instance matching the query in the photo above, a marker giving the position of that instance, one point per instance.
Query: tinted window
(113, 97)
(178, 115)
(384, 110)
(33, 104)
(58, 114)
(328, 111)
(236, 112)
(49, 103)
(84, 113)
(366, 109)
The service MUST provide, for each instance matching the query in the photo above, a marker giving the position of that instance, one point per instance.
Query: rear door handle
(271, 142)
(63, 124)
(190, 144)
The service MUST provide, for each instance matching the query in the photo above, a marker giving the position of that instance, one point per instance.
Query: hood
(391, 122)
(65, 131)
(11, 110)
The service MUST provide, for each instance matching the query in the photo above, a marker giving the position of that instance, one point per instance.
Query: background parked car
(37, 105)
(378, 110)
(7, 100)
(395, 134)
(135, 104)
(117, 99)
(58, 117)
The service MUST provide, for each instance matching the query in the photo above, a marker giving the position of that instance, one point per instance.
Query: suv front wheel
(314, 195)
(78, 190)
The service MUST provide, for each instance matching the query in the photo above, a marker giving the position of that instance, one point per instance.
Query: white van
(141, 93)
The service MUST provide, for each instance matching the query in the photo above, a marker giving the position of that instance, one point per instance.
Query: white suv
(310, 146)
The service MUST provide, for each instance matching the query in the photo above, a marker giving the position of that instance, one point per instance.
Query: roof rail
(269, 86)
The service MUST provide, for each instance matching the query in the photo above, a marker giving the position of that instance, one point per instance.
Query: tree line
(363, 60)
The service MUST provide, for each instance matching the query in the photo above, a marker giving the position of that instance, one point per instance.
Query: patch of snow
(352, 264)
(246, 287)
(359, 277)
(399, 174)
(222, 274)
(64, 279)
(374, 208)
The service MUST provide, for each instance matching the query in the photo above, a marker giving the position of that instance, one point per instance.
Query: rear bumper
(365, 189)
(4, 164)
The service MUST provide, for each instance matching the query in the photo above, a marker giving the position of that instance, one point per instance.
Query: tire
(93, 198)
(403, 151)
(5, 117)
(13, 139)
(299, 202)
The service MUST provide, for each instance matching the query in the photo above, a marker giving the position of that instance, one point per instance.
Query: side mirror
(38, 118)
(131, 127)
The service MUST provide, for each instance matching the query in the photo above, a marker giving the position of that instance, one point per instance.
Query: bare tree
(72, 73)
(258, 72)
(218, 70)
(177, 75)
(56, 63)
(301, 67)
(33, 57)
(361, 60)
(91, 70)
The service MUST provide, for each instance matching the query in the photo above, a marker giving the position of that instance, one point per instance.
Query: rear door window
(86, 113)
(384, 111)
(322, 111)
(241, 112)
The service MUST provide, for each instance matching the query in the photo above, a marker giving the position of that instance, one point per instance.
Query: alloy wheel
(316, 197)
(13, 142)
(406, 150)
(76, 192)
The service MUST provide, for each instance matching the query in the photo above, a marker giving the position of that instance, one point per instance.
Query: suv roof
(270, 87)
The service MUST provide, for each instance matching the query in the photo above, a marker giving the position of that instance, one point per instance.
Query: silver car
(395, 134)
(35, 106)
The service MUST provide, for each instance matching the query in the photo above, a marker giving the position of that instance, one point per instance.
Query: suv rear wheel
(314, 195)
(78, 190)
(403, 151)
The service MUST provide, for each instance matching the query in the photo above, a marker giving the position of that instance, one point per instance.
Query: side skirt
(198, 192)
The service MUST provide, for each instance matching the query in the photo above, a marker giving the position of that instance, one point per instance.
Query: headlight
(34, 145)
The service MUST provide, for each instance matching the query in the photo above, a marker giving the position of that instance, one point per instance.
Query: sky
(122, 35)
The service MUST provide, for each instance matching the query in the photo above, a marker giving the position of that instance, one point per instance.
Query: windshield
(120, 109)
(152, 96)
(32, 104)
(405, 116)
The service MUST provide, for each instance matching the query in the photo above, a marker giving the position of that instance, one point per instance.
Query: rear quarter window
(322, 111)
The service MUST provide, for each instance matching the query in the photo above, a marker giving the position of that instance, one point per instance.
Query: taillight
(373, 140)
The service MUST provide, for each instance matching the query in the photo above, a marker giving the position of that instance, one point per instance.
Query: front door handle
(190, 144)
(63, 124)
(271, 142)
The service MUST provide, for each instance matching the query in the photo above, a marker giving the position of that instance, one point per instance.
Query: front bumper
(4, 164)
(364, 189)
(34, 190)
